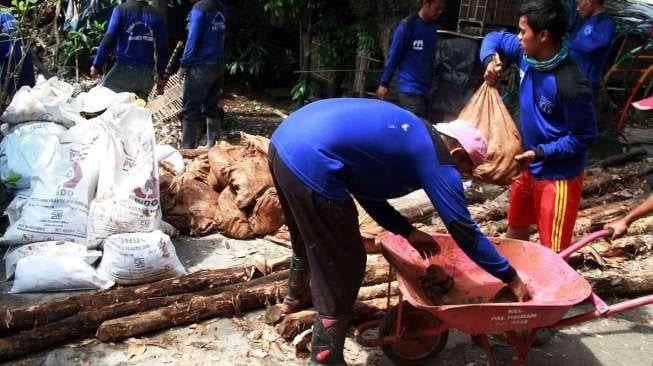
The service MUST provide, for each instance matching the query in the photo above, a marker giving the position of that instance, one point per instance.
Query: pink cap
(471, 139)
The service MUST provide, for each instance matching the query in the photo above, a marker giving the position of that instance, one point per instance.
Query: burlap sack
(198, 168)
(200, 202)
(221, 155)
(249, 178)
(252, 144)
(267, 215)
(488, 113)
(230, 219)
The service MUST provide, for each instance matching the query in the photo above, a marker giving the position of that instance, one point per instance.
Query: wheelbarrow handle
(584, 241)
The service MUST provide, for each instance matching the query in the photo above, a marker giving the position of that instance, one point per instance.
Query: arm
(387, 216)
(395, 54)
(620, 226)
(601, 36)
(504, 43)
(194, 32)
(579, 114)
(108, 43)
(444, 188)
(161, 48)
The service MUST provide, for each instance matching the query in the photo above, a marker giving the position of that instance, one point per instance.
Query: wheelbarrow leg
(522, 346)
(485, 343)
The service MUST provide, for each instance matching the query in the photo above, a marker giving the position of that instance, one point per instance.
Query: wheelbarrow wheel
(415, 351)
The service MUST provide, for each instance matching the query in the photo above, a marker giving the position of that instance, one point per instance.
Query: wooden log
(235, 299)
(633, 278)
(607, 182)
(85, 323)
(636, 154)
(27, 317)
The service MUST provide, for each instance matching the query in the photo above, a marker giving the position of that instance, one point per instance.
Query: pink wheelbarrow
(414, 331)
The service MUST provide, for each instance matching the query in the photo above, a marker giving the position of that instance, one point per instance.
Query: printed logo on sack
(74, 173)
(218, 23)
(140, 31)
(545, 104)
(418, 44)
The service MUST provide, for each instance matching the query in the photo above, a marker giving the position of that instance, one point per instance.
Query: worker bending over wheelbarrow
(331, 150)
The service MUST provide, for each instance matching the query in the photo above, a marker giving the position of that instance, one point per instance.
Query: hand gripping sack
(487, 112)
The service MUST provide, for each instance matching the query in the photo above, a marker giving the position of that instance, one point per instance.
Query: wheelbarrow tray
(555, 286)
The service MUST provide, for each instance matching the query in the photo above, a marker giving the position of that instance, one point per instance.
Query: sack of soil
(199, 168)
(267, 215)
(231, 220)
(487, 112)
(221, 155)
(249, 178)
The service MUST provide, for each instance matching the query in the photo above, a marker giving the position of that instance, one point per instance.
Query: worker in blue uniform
(136, 31)
(16, 67)
(333, 149)
(411, 57)
(202, 66)
(557, 123)
(591, 39)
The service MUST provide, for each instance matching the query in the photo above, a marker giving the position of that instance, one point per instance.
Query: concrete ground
(626, 339)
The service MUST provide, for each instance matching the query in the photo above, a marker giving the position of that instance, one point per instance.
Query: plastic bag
(27, 148)
(42, 273)
(487, 112)
(49, 249)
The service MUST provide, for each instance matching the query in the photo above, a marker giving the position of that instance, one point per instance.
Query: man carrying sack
(558, 123)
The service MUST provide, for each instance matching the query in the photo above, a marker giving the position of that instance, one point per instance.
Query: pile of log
(120, 313)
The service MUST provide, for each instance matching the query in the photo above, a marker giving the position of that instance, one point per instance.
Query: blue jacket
(557, 116)
(411, 54)
(206, 30)
(135, 32)
(590, 45)
(375, 150)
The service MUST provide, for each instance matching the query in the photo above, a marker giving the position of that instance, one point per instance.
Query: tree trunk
(27, 317)
(235, 299)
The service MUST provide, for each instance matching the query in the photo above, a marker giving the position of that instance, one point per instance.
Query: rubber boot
(329, 340)
(299, 290)
(212, 131)
(189, 132)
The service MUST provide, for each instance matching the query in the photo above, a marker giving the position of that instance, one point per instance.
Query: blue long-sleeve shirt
(7, 29)
(135, 32)
(206, 31)
(375, 150)
(411, 55)
(556, 111)
(590, 45)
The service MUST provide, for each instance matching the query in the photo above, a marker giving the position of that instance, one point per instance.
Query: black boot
(299, 290)
(189, 132)
(212, 131)
(328, 340)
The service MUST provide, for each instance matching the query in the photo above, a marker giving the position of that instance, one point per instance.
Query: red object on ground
(644, 104)
(555, 288)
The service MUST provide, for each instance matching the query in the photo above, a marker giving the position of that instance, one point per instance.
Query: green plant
(301, 92)
(250, 60)
(82, 41)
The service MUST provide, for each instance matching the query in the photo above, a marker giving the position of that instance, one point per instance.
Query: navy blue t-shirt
(375, 150)
(135, 31)
(411, 55)
(206, 31)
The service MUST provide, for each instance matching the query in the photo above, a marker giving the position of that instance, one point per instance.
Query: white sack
(127, 198)
(139, 258)
(49, 249)
(39, 273)
(46, 101)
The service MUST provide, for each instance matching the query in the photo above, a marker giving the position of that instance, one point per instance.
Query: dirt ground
(626, 339)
